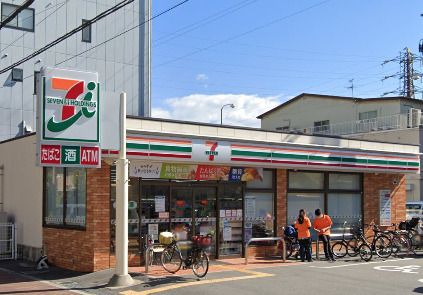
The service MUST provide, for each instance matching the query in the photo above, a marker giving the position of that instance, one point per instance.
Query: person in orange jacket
(303, 225)
(322, 224)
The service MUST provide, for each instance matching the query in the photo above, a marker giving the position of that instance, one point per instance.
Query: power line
(191, 27)
(67, 35)
(244, 33)
(124, 32)
(15, 13)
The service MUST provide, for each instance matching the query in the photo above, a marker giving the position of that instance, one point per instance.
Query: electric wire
(70, 33)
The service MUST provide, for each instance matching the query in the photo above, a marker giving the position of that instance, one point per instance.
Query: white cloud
(201, 77)
(206, 108)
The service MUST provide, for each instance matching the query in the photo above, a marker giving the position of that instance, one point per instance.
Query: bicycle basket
(202, 241)
(166, 238)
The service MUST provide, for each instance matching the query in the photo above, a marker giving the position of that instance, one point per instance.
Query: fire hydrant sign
(69, 119)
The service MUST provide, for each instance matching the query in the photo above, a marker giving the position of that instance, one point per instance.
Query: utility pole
(351, 87)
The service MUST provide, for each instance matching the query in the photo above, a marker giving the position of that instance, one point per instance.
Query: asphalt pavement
(395, 276)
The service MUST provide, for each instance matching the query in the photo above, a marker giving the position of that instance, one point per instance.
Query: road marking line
(358, 264)
(253, 275)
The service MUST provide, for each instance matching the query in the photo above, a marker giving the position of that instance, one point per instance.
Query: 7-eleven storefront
(232, 183)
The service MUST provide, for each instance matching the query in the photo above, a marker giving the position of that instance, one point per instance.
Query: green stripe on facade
(251, 154)
(414, 164)
(183, 149)
(321, 158)
(290, 156)
(137, 146)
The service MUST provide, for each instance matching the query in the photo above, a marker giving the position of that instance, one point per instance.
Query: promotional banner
(385, 207)
(194, 172)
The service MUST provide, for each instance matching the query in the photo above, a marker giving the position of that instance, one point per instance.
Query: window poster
(160, 203)
(153, 230)
(250, 207)
(385, 207)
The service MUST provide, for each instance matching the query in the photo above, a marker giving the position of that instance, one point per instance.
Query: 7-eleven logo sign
(70, 106)
(211, 152)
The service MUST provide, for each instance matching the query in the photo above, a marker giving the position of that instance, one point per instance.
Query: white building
(119, 62)
(390, 119)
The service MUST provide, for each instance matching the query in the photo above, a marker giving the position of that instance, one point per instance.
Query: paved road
(392, 277)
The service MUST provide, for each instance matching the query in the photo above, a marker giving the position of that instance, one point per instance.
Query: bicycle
(399, 239)
(197, 259)
(340, 248)
(379, 243)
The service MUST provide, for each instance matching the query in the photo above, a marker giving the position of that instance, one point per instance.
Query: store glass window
(65, 197)
(154, 210)
(133, 211)
(306, 180)
(307, 201)
(344, 181)
(344, 207)
(259, 215)
(75, 196)
(265, 183)
(54, 178)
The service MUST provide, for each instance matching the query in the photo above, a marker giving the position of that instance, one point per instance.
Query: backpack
(290, 231)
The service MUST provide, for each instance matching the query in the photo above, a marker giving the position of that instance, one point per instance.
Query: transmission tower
(407, 74)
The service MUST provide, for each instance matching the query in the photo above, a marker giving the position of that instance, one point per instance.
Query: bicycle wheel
(288, 250)
(383, 246)
(365, 252)
(171, 259)
(340, 249)
(200, 264)
(353, 246)
(400, 244)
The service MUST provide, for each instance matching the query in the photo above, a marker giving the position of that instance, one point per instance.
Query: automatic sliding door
(205, 214)
(181, 213)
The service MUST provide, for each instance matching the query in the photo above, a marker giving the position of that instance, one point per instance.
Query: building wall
(116, 61)
(85, 250)
(21, 186)
(372, 184)
(303, 112)
(409, 136)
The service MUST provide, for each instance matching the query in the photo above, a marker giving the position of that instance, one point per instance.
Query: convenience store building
(231, 182)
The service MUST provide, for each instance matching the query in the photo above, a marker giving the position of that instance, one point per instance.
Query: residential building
(389, 119)
(123, 63)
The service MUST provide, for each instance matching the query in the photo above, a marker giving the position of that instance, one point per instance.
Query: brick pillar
(372, 184)
(281, 199)
(85, 250)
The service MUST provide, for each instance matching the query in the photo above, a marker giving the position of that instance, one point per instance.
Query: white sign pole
(121, 277)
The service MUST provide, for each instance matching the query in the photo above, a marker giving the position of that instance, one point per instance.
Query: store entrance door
(193, 211)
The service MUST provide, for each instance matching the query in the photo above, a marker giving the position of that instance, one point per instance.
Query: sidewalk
(17, 277)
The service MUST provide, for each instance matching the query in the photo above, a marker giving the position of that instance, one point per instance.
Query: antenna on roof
(351, 87)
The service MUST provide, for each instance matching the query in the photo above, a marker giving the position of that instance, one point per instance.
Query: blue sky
(258, 53)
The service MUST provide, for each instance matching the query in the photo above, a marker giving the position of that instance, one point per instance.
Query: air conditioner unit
(414, 117)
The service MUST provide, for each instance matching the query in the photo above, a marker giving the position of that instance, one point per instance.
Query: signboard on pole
(68, 119)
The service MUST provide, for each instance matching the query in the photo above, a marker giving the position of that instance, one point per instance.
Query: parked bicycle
(196, 259)
(413, 235)
(341, 248)
(400, 240)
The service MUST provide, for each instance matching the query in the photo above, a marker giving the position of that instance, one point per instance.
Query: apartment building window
(24, 21)
(86, 32)
(321, 126)
(367, 115)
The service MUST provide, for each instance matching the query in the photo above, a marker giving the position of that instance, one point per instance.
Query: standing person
(322, 224)
(303, 225)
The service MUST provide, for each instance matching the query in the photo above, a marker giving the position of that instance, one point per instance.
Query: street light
(221, 111)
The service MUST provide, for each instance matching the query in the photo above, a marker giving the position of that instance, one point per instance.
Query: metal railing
(8, 241)
(266, 240)
(392, 122)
